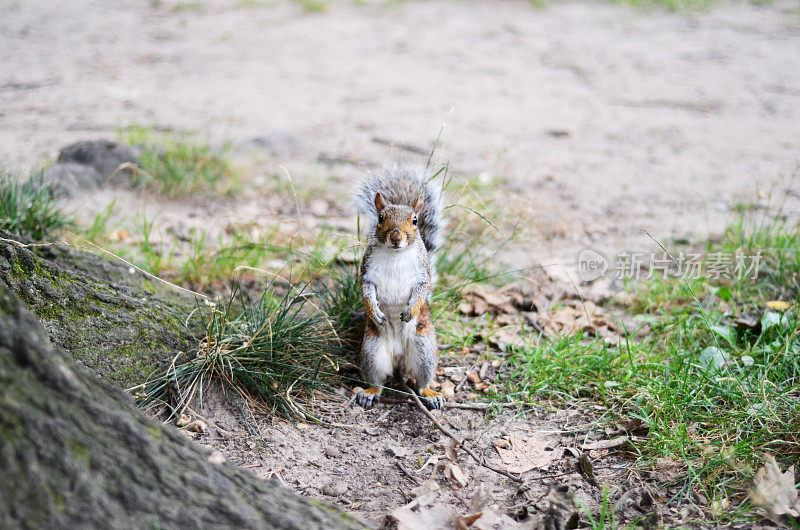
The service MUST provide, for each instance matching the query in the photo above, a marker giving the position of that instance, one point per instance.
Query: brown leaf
(505, 337)
(775, 491)
(584, 316)
(483, 386)
(465, 521)
(455, 474)
(524, 455)
(197, 426)
(448, 389)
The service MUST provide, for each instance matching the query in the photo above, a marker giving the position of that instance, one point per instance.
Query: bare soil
(594, 119)
(601, 117)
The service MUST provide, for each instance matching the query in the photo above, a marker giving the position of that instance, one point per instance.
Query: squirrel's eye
(380, 217)
(414, 221)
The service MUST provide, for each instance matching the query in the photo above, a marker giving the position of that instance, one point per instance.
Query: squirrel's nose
(395, 237)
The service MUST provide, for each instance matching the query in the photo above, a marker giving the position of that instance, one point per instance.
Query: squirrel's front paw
(369, 397)
(378, 317)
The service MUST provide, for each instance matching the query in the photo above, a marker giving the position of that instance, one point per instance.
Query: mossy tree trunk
(97, 310)
(76, 453)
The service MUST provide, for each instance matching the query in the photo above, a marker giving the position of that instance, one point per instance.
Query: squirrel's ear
(380, 202)
(418, 204)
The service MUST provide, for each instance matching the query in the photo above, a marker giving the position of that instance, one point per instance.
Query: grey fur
(402, 184)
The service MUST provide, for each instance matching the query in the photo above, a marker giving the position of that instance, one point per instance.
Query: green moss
(79, 451)
(59, 502)
(121, 342)
(155, 432)
(10, 427)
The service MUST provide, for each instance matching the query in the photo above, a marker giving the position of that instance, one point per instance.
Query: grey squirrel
(396, 279)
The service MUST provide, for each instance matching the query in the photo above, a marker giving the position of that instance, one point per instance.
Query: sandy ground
(603, 118)
(599, 119)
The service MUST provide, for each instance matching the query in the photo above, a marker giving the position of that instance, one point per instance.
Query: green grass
(27, 207)
(180, 167)
(716, 398)
(205, 263)
(777, 242)
(276, 351)
(473, 238)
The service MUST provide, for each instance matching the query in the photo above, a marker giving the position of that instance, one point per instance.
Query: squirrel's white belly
(394, 275)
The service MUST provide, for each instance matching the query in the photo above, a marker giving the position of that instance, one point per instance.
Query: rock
(335, 488)
(68, 179)
(90, 164)
(103, 156)
(332, 452)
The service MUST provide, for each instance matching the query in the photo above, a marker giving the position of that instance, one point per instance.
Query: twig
(459, 442)
(466, 376)
(407, 473)
(484, 371)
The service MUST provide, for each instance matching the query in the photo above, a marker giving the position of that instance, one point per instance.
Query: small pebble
(335, 489)
(216, 458)
(332, 452)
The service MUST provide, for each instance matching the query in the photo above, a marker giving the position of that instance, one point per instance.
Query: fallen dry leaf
(775, 491)
(450, 451)
(524, 456)
(473, 377)
(505, 337)
(448, 389)
(583, 316)
(197, 426)
(465, 521)
(455, 474)
(400, 451)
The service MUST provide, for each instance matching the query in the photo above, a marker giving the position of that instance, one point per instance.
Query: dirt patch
(390, 465)
(602, 118)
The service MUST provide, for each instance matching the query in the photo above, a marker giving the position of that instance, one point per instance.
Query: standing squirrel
(405, 213)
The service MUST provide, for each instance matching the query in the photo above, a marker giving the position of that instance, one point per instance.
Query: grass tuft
(276, 351)
(180, 167)
(715, 394)
(27, 207)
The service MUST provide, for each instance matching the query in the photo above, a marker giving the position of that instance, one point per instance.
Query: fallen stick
(459, 442)
(466, 376)
(407, 473)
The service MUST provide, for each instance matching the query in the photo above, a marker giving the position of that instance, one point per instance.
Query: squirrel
(396, 280)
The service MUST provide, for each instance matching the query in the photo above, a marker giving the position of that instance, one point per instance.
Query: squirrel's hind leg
(376, 363)
(423, 364)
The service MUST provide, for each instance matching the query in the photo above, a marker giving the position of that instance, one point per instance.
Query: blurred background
(571, 124)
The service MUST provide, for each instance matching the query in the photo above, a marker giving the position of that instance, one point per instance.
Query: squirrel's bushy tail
(402, 184)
